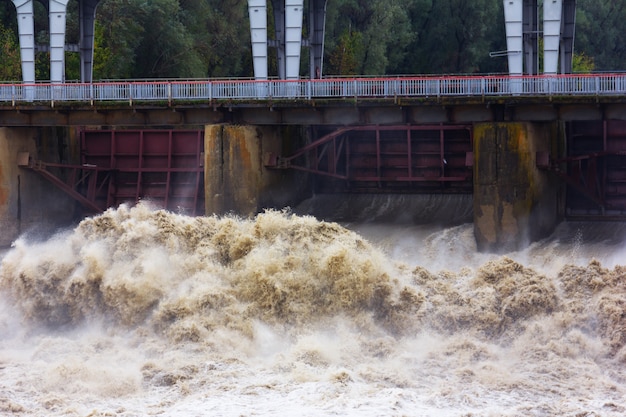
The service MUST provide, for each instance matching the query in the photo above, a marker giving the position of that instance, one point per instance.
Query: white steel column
(552, 12)
(57, 14)
(293, 38)
(258, 34)
(513, 18)
(26, 28)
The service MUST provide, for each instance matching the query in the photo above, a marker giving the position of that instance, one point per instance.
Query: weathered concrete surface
(514, 202)
(27, 202)
(236, 179)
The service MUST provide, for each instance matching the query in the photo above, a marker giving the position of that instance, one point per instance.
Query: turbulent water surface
(139, 312)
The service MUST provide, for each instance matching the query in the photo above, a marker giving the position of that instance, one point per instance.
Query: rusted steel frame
(42, 169)
(340, 131)
(199, 163)
(378, 158)
(585, 179)
(330, 150)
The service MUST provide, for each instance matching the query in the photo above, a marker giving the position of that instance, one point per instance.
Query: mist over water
(141, 312)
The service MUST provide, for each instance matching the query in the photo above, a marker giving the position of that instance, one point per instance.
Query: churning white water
(138, 312)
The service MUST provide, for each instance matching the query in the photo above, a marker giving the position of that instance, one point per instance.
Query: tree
(600, 25)
(11, 69)
(367, 37)
(455, 36)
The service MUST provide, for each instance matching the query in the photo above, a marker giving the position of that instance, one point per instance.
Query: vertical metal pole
(26, 29)
(442, 156)
(199, 163)
(168, 175)
(138, 191)
(409, 153)
(19, 205)
(378, 156)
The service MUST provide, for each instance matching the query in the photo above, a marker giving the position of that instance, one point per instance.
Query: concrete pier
(27, 202)
(514, 202)
(236, 179)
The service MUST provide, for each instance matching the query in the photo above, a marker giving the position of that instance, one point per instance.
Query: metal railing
(330, 88)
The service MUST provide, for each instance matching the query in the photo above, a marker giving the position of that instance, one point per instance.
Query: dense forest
(211, 38)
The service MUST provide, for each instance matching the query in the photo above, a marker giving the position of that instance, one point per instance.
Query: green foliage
(211, 38)
(582, 63)
(10, 69)
(600, 28)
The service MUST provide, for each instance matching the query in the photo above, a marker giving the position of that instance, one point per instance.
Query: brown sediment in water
(188, 278)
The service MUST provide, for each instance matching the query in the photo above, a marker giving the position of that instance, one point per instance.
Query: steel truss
(433, 158)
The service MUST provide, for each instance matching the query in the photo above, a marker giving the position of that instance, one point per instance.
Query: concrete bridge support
(236, 179)
(514, 202)
(27, 202)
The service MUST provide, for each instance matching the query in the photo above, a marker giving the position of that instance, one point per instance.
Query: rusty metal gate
(387, 159)
(594, 169)
(165, 167)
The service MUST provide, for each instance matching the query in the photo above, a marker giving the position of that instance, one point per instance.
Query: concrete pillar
(515, 203)
(28, 203)
(236, 179)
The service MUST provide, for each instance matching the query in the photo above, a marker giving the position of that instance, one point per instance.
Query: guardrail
(331, 88)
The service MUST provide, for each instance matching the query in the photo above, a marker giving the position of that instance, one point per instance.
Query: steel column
(257, 10)
(57, 14)
(26, 29)
(552, 12)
